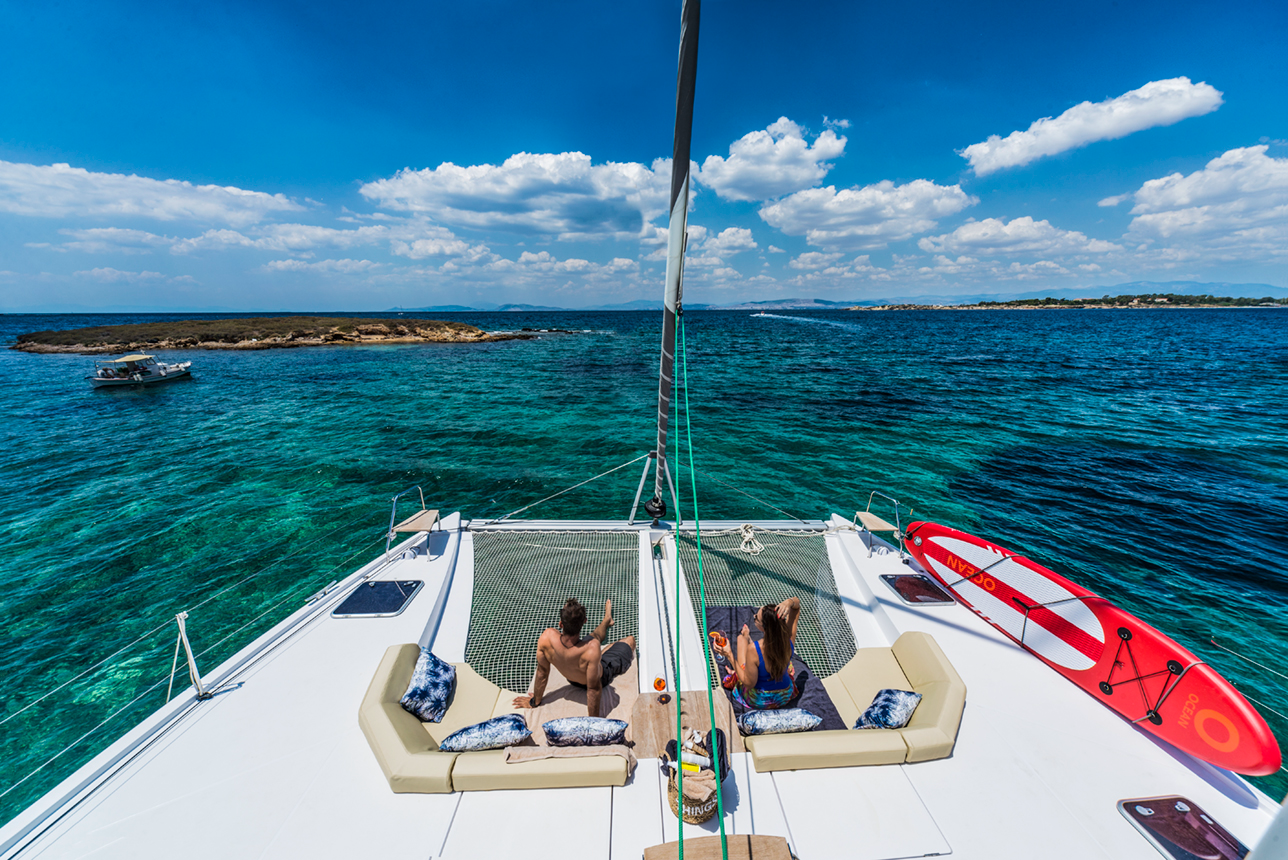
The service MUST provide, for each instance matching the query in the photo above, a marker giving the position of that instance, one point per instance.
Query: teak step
(741, 847)
(421, 521)
(874, 523)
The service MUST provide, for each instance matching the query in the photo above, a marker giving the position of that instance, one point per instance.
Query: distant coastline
(1132, 302)
(255, 333)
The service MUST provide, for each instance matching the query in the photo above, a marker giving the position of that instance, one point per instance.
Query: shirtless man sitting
(584, 662)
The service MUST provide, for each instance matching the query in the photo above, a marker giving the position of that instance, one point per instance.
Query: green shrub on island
(1137, 301)
(1176, 299)
(251, 333)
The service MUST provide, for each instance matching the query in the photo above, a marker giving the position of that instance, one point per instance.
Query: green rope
(675, 646)
(702, 592)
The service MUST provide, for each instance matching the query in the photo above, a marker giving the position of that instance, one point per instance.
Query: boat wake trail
(814, 320)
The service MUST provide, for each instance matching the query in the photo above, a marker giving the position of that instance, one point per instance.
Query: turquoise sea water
(1144, 454)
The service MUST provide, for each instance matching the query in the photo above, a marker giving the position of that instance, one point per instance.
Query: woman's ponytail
(777, 646)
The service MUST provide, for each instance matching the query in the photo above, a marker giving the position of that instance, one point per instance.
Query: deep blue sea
(1142, 453)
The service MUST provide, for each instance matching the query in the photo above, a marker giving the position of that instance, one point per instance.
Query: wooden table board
(654, 724)
(741, 847)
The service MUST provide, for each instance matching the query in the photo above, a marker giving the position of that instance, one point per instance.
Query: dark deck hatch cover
(916, 589)
(378, 599)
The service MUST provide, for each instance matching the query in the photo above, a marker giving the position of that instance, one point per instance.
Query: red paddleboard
(1129, 666)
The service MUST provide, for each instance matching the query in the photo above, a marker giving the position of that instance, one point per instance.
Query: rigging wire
(97, 665)
(1248, 659)
(169, 678)
(277, 562)
(709, 476)
(170, 621)
(288, 597)
(68, 748)
(568, 490)
(1263, 704)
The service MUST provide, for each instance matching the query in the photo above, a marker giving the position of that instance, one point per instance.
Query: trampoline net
(521, 580)
(791, 565)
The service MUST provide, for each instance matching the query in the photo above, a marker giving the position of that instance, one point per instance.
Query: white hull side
(148, 380)
(276, 766)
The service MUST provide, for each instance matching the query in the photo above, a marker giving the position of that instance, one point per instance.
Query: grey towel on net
(811, 694)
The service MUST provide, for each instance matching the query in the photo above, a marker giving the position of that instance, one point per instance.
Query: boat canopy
(128, 358)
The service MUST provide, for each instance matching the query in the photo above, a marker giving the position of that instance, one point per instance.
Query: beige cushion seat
(807, 750)
(915, 662)
(407, 754)
(407, 749)
(489, 771)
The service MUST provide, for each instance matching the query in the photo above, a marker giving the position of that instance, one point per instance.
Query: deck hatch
(791, 564)
(378, 599)
(916, 589)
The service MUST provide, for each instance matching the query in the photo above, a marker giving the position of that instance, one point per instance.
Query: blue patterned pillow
(779, 721)
(584, 732)
(503, 731)
(890, 709)
(431, 688)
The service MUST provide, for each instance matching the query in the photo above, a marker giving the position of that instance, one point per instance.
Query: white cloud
(563, 195)
(1155, 104)
(814, 260)
(1039, 269)
(621, 264)
(969, 269)
(59, 190)
(344, 267)
(945, 266)
(868, 217)
(706, 248)
(545, 263)
(1020, 236)
(835, 123)
(113, 239)
(774, 249)
(218, 240)
(415, 238)
(771, 163)
(655, 235)
(703, 261)
(1245, 175)
(818, 269)
(1240, 197)
(438, 246)
(731, 240)
(109, 275)
(1114, 201)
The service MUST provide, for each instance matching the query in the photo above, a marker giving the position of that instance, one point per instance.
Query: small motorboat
(136, 370)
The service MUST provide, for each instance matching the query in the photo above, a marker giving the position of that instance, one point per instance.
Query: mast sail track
(676, 237)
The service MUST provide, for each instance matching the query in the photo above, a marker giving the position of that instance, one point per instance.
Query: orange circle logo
(1232, 734)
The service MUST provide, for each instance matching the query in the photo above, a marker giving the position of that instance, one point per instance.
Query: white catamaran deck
(275, 765)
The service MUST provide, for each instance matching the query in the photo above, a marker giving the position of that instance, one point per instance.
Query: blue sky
(314, 156)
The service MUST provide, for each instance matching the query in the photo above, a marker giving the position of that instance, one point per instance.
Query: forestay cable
(568, 490)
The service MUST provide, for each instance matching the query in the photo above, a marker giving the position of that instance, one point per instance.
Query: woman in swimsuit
(766, 677)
